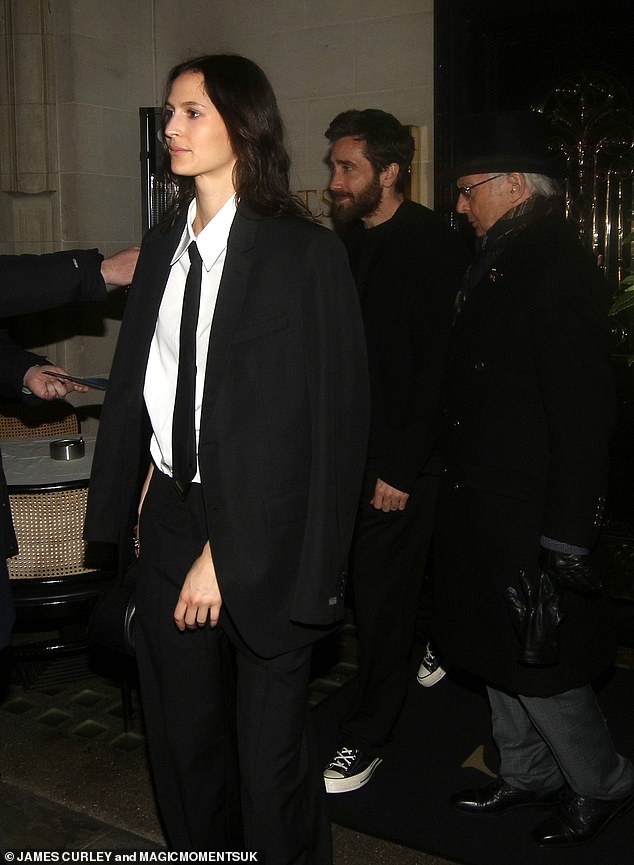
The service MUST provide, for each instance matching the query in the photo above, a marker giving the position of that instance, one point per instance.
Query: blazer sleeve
(122, 448)
(31, 283)
(339, 405)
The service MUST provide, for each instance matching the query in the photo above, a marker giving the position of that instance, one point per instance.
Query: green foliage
(625, 298)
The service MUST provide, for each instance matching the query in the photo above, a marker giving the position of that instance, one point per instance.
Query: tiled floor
(29, 821)
(73, 779)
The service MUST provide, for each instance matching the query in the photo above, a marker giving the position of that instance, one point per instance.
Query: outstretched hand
(118, 269)
(47, 386)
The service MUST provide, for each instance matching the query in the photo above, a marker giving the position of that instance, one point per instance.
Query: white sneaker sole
(428, 679)
(346, 785)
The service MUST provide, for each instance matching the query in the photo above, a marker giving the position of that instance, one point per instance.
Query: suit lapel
(231, 295)
(160, 257)
(142, 309)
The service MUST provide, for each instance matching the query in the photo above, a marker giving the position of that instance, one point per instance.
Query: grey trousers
(545, 742)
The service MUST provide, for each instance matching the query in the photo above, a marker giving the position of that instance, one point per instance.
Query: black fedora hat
(504, 141)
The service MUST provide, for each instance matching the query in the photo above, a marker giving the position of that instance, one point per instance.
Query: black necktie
(183, 429)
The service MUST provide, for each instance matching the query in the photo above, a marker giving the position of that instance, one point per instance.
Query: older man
(530, 408)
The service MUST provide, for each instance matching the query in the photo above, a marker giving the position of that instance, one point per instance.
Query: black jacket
(407, 271)
(530, 408)
(283, 426)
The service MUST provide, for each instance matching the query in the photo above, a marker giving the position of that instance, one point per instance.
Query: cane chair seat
(49, 527)
(54, 418)
(56, 577)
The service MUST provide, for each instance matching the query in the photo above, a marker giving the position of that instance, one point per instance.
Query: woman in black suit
(244, 540)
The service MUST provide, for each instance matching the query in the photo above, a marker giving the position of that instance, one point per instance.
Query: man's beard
(348, 208)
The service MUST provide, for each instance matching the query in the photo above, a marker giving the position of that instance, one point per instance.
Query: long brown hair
(244, 98)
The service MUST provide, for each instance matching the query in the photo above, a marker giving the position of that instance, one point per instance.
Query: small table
(28, 465)
(48, 505)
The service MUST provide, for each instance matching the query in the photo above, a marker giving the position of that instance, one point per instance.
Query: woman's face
(196, 135)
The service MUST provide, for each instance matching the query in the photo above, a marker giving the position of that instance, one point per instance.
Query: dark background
(511, 54)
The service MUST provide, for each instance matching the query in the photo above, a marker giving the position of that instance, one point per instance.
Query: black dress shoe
(580, 819)
(498, 797)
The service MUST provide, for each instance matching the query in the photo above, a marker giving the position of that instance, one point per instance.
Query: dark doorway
(514, 54)
(510, 54)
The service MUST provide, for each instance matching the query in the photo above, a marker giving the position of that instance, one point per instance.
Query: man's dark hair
(244, 98)
(386, 140)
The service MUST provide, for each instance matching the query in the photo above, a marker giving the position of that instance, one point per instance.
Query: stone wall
(73, 74)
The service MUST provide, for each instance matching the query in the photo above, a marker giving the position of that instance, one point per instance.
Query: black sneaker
(349, 770)
(430, 670)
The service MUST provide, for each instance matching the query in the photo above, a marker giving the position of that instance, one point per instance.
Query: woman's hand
(199, 601)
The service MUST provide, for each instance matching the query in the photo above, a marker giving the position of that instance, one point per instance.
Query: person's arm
(43, 386)
(200, 600)
(31, 283)
(14, 364)
(338, 405)
(118, 269)
(577, 392)
(22, 373)
(404, 444)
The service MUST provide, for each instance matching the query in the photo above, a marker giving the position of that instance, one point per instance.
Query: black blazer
(283, 428)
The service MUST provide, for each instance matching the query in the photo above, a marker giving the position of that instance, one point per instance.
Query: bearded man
(407, 266)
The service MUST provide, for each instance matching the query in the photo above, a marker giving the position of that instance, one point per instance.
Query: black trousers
(388, 559)
(231, 754)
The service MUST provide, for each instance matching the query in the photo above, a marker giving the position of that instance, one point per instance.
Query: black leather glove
(570, 571)
(536, 615)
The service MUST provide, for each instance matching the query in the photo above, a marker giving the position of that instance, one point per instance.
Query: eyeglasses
(466, 190)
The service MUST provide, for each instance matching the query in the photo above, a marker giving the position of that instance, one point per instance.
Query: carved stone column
(28, 157)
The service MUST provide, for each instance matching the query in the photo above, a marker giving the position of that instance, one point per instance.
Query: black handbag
(111, 623)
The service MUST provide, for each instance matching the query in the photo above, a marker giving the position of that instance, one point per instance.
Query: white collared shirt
(162, 367)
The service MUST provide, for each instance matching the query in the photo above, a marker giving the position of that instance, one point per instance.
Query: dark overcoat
(529, 409)
(283, 428)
